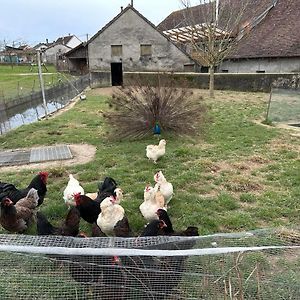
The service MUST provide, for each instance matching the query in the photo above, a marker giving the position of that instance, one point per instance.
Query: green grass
(238, 176)
(21, 80)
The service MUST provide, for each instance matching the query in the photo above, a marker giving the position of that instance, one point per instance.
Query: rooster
(89, 209)
(152, 202)
(112, 219)
(17, 217)
(70, 226)
(39, 182)
(72, 188)
(154, 152)
(162, 185)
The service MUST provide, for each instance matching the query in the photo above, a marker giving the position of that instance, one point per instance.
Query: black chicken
(70, 226)
(168, 230)
(153, 228)
(39, 182)
(106, 189)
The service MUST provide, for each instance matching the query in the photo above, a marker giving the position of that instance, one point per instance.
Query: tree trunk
(212, 81)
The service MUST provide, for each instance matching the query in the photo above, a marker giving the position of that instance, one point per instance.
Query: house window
(260, 71)
(116, 50)
(224, 71)
(146, 50)
(189, 68)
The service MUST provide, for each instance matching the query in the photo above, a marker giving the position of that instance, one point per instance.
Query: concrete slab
(9, 158)
(35, 155)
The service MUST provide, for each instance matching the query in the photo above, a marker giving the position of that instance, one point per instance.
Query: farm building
(273, 41)
(130, 42)
(55, 52)
(77, 59)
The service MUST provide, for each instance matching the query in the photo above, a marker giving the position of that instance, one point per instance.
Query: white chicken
(112, 220)
(154, 152)
(153, 201)
(73, 187)
(162, 185)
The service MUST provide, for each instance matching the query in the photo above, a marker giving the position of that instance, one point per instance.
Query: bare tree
(214, 28)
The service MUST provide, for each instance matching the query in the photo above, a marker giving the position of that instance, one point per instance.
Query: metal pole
(42, 82)
(217, 11)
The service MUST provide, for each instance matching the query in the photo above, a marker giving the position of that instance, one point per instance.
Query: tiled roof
(277, 35)
(200, 13)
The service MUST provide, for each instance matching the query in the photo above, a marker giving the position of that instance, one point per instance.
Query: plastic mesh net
(284, 106)
(255, 265)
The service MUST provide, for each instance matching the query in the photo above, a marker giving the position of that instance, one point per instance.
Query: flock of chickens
(102, 209)
(108, 218)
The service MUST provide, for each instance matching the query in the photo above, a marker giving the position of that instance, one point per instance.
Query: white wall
(269, 65)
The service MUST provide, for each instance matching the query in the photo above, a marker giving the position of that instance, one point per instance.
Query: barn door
(116, 74)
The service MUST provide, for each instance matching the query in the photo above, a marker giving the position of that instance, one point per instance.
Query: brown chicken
(17, 217)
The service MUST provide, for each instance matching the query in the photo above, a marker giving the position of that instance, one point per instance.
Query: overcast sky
(33, 21)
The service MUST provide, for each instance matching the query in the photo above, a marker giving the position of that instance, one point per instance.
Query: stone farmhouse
(129, 43)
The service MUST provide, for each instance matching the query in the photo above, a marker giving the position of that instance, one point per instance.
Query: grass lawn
(21, 80)
(239, 175)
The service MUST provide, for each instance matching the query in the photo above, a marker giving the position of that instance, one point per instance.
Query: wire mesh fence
(18, 85)
(254, 265)
(29, 108)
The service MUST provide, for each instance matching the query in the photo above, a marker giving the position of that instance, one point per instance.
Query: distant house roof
(277, 35)
(20, 48)
(42, 44)
(64, 40)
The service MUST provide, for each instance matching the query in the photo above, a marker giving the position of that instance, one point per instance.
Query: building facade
(131, 43)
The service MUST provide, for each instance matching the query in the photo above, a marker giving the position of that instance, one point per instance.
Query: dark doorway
(116, 74)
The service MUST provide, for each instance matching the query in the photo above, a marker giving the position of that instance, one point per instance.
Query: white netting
(255, 265)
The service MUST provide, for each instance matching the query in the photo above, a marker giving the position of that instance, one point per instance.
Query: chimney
(131, 3)
(121, 8)
(47, 41)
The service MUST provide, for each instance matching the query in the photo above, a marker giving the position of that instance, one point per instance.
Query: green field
(22, 80)
(239, 175)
